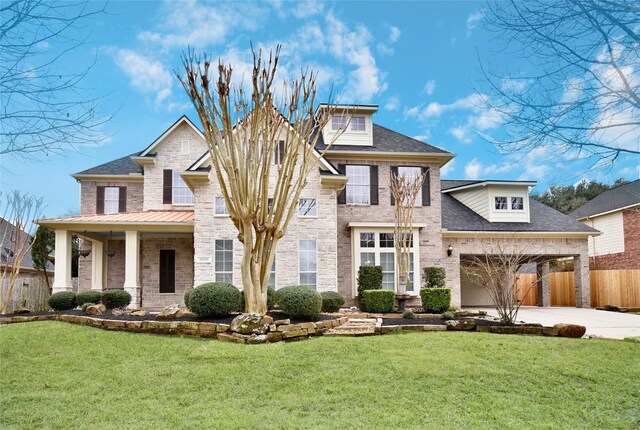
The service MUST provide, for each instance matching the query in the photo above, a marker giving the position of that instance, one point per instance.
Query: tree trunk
(255, 300)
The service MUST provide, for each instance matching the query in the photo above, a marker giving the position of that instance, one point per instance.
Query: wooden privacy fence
(30, 290)
(608, 287)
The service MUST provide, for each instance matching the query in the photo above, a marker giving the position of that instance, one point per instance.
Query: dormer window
(357, 123)
(517, 203)
(509, 203)
(501, 203)
(338, 122)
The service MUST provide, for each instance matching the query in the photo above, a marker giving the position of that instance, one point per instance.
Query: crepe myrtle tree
(262, 151)
(495, 269)
(405, 190)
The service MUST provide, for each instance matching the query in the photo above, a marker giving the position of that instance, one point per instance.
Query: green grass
(63, 376)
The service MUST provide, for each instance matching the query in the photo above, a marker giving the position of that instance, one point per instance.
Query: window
(517, 203)
(221, 206)
(410, 288)
(308, 266)
(224, 260)
(338, 122)
(111, 200)
(501, 203)
(182, 195)
(411, 173)
(272, 275)
(307, 208)
(367, 258)
(358, 187)
(386, 240)
(167, 271)
(357, 123)
(278, 153)
(387, 261)
(367, 240)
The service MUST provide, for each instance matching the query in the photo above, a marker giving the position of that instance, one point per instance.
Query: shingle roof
(458, 217)
(386, 140)
(615, 198)
(5, 250)
(122, 166)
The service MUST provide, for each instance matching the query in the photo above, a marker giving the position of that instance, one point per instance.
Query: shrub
(186, 298)
(214, 299)
(435, 300)
(448, 315)
(88, 297)
(408, 314)
(331, 301)
(369, 278)
(379, 300)
(299, 301)
(434, 277)
(62, 301)
(271, 299)
(86, 305)
(112, 299)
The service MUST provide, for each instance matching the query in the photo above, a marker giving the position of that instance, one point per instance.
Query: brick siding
(630, 258)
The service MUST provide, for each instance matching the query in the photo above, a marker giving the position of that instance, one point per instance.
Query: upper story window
(338, 122)
(111, 200)
(181, 194)
(278, 153)
(503, 203)
(358, 123)
(359, 185)
(221, 206)
(307, 208)
(411, 173)
(517, 203)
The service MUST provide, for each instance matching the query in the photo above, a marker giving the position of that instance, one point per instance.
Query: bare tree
(45, 108)
(405, 190)
(495, 269)
(260, 178)
(15, 233)
(580, 93)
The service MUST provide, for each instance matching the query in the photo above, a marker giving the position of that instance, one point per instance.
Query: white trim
(132, 177)
(486, 183)
(519, 234)
(608, 212)
(178, 123)
(381, 225)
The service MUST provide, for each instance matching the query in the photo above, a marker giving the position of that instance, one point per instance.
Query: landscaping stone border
(281, 330)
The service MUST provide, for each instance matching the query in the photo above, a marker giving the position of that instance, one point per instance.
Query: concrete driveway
(613, 325)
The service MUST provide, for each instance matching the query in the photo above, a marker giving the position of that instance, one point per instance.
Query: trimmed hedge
(88, 297)
(331, 301)
(434, 277)
(214, 299)
(435, 300)
(299, 301)
(112, 299)
(86, 305)
(62, 301)
(369, 278)
(271, 299)
(186, 298)
(379, 300)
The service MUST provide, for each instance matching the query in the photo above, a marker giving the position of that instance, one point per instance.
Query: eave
(336, 154)
(520, 234)
(132, 177)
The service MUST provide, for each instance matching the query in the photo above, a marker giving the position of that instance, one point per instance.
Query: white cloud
(412, 112)
(393, 103)
(448, 168)
(430, 87)
(472, 21)
(472, 169)
(305, 9)
(394, 34)
(460, 133)
(146, 75)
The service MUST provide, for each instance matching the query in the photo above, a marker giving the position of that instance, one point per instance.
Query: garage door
(472, 294)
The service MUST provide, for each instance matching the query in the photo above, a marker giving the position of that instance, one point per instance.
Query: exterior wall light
(450, 250)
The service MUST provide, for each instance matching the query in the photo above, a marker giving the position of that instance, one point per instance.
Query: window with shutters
(411, 173)
(181, 194)
(167, 271)
(359, 186)
(111, 200)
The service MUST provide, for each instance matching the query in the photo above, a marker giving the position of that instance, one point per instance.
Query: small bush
(112, 299)
(369, 278)
(271, 300)
(62, 301)
(299, 301)
(435, 300)
(408, 314)
(434, 277)
(88, 297)
(186, 298)
(379, 300)
(86, 305)
(448, 315)
(331, 301)
(214, 299)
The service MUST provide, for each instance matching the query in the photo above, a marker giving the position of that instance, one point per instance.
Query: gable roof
(5, 247)
(614, 199)
(458, 217)
(121, 166)
(182, 120)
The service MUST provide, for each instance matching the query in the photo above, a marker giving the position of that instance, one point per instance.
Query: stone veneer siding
(88, 191)
(430, 237)
(630, 258)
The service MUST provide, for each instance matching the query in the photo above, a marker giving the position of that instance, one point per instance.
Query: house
(158, 225)
(616, 213)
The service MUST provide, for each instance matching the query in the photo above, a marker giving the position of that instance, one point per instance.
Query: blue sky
(419, 61)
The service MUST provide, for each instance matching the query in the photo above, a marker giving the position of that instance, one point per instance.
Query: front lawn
(58, 375)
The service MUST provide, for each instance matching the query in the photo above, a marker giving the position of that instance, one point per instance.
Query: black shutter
(100, 200)
(122, 199)
(342, 197)
(167, 271)
(426, 187)
(167, 186)
(394, 170)
(373, 183)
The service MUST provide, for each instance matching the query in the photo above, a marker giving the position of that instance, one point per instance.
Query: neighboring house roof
(6, 251)
(386, 140)
(614, 199)
(458, 217)
(121, 166)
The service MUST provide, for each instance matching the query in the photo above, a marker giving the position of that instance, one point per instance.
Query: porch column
(581, 280)
(544, 284)
(97, 265)
(132, 267)
(62, 271)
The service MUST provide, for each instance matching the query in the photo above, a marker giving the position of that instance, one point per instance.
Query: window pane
(307, 207)
(272, 275)
(517, 203)
(223, 256)
(387, 261)
(308, 263)
(357, 123)
(221, 206)
(111, 200)
(367, 259)
(501, 203)
(358, 189)
(367, 240)
(411, 173)
(338, 122)
(182, 195)
(386, 240)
